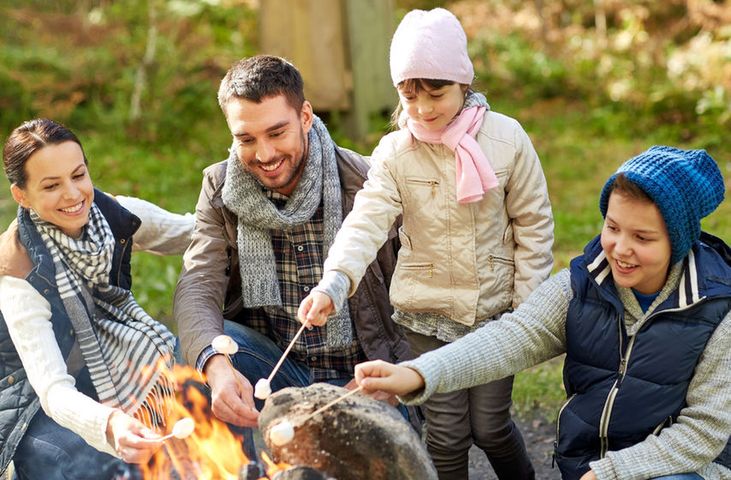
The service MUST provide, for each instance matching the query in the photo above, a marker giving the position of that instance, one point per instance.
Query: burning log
(358, 438)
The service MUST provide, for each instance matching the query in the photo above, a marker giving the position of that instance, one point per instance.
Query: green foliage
(540, 389)
(589, 100)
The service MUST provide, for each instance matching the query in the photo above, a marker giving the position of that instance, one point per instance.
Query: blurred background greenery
(592, 81)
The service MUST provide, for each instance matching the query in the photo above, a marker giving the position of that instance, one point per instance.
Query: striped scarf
(128, 354)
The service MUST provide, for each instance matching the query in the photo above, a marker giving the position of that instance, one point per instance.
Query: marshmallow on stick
(263, 387)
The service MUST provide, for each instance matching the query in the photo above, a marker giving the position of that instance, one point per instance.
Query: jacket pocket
(405, 240)
(408, 278)
(422, 190)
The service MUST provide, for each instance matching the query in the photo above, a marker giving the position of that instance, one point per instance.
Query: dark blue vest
(18, 401)
(622, 389)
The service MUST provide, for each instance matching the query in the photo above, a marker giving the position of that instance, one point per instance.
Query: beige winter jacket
(467, 262)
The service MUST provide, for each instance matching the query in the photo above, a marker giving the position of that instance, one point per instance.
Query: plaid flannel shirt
(298, 253)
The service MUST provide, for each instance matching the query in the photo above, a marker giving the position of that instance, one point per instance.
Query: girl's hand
(134, 442)
(315, 309)
(387, 377)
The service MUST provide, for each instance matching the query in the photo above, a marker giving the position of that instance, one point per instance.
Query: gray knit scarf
(129, 355)
(257, 215)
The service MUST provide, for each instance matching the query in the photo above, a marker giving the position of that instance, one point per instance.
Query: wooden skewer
(330, 404)
(284, 355)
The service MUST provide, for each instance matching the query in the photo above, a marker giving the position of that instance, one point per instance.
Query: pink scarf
(475, 175)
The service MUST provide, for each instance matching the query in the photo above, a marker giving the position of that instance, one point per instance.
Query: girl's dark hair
(625, 186)
(414, 86)
(27, 139)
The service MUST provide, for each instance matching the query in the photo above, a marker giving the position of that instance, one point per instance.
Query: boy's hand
(315, 309)
(384, 376)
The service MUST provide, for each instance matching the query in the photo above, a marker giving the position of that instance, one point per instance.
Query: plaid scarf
(128, 354)
(257, 215)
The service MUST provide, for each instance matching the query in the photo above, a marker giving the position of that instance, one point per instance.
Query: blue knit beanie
(686, 185)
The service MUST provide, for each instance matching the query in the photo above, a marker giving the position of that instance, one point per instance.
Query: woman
(73, 340)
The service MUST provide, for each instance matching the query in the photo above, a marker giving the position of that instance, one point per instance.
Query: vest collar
(693, 286)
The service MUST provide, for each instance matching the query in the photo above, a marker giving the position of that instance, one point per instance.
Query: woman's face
(58, 187)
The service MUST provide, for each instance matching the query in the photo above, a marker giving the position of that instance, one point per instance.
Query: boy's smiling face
(636, 242)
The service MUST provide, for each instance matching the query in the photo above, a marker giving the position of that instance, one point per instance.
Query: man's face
(271, 140)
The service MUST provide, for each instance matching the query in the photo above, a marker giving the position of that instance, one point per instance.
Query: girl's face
(58, 187)
(433, 108)
(636, 242)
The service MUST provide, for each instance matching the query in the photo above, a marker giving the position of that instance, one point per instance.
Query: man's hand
(232, 398)
(315, 309)
(380, 375)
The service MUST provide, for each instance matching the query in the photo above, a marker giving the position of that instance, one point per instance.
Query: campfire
(337, 435)
(212, 450)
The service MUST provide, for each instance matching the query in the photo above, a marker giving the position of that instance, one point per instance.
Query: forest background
(592, 81)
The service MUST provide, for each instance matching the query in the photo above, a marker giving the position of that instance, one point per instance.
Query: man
(264, 221)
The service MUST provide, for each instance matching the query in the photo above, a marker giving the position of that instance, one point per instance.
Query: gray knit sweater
(535, 332)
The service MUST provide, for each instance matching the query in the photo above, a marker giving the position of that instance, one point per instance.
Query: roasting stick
(282, 432)
(330, 404)
(263, 388)
(226, 346)
(182, 429)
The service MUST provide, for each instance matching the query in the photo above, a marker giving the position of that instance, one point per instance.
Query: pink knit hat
(430, 44)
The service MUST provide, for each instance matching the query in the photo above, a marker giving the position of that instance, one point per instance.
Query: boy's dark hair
(627, 187)
(260, 77)
(414, 86)
(26, 140)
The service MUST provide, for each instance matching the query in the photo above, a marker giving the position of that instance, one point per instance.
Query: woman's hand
(134, 442)
(315, 309)
(387, 377)
(588, 475)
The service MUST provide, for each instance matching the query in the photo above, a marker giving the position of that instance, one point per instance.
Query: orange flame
(272, 467)
(211, 452)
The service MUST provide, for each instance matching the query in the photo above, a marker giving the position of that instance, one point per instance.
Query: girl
(73, 340)
(644, 317)
(476, 236)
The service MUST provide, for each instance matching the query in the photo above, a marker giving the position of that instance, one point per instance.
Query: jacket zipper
(124, 242)
(431, 183)
(609, 404)
(429, 267)
(623, 364)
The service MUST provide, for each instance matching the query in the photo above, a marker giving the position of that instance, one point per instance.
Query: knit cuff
(430, 377)
(603, 469)
(335, 285)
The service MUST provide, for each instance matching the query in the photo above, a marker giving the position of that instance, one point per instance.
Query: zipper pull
(433, 188)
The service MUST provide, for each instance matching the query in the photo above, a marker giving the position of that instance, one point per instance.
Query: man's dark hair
(260, 77)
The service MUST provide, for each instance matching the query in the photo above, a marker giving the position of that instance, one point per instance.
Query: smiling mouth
(73, 209)
(270, 167)
(624, 265)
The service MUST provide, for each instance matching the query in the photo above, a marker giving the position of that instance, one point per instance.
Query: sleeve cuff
(204, 356)
(335, 285)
